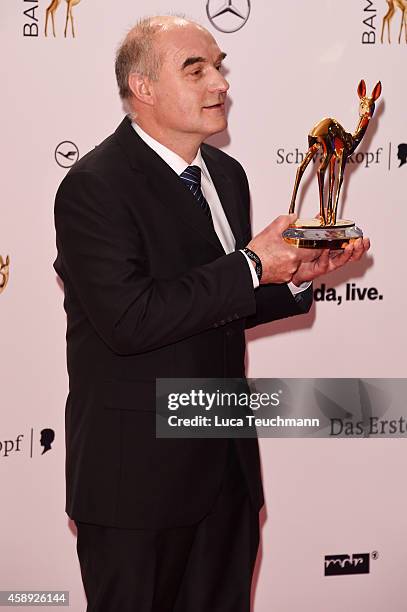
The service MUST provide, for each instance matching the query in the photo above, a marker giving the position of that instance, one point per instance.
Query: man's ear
(140, 86)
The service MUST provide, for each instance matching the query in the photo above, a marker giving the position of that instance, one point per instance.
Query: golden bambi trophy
(335, 146)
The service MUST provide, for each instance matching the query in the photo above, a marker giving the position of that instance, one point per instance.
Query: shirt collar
(172, 159)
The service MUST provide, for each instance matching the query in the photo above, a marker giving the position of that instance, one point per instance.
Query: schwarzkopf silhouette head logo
(402, 153)
(47, 438)
(228, 16)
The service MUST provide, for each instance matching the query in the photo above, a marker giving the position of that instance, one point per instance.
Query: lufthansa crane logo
(230, 16)
(66, 154)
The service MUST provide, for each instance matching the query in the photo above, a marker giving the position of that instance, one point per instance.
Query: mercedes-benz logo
(230, 16)
(66, 154)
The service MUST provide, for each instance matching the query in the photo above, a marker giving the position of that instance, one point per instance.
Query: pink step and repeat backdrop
(289, 64)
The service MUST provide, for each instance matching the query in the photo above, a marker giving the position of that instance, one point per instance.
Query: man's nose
(218, 83)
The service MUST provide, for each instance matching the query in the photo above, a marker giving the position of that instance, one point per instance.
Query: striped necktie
(192, 179)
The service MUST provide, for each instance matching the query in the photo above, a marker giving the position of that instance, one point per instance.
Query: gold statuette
(329, 139)
(49, 12)
(4, 272)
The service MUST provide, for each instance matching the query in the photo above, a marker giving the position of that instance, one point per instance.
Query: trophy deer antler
(336, 145)
(4, 272)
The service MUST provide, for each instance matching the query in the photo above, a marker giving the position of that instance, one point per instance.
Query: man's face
(190, 92)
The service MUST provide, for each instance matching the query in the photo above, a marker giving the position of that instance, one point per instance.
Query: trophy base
(309, 234)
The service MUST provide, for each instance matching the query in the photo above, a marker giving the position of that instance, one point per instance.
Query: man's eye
(218, 67)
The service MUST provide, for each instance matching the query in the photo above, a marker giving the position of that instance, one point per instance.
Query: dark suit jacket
(149, 292)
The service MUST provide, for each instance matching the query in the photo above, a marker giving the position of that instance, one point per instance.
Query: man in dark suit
(151, 228)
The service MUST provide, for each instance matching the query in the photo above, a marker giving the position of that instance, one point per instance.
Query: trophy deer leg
(383, 24)
(300, 171)
(72, 23)
(53, 23)
(342, 163)
(401, 26)
(321, 176)
(331, 187)
(66, 20)
(389, 15)
(386, 20)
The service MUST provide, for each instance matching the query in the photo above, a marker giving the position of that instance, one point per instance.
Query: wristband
(258, 267)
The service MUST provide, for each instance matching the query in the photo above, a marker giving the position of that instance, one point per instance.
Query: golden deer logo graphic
(69, 15)
(4, 272)
(393, 4)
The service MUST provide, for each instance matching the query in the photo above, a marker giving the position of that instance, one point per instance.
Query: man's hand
(280, 260)
(327, 261)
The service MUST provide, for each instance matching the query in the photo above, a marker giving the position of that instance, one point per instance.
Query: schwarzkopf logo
(28, 443)
(366, 159)
(402, 153)
(229, 16)
(339, 565)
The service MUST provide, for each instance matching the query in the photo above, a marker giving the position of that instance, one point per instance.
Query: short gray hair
(137, 54)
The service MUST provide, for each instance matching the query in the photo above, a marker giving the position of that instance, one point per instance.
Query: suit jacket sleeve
(104, 259)
(273, 301)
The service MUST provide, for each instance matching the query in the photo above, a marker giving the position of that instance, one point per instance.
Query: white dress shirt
(220, 222)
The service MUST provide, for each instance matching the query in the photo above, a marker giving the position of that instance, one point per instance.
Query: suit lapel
(165, 184)
(227, 195)
(169, 188)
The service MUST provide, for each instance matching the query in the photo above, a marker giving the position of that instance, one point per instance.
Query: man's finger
(322, 263)
(340, 260)
(362, 247)
(358, 250)
(282, 222)
(308, 255)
